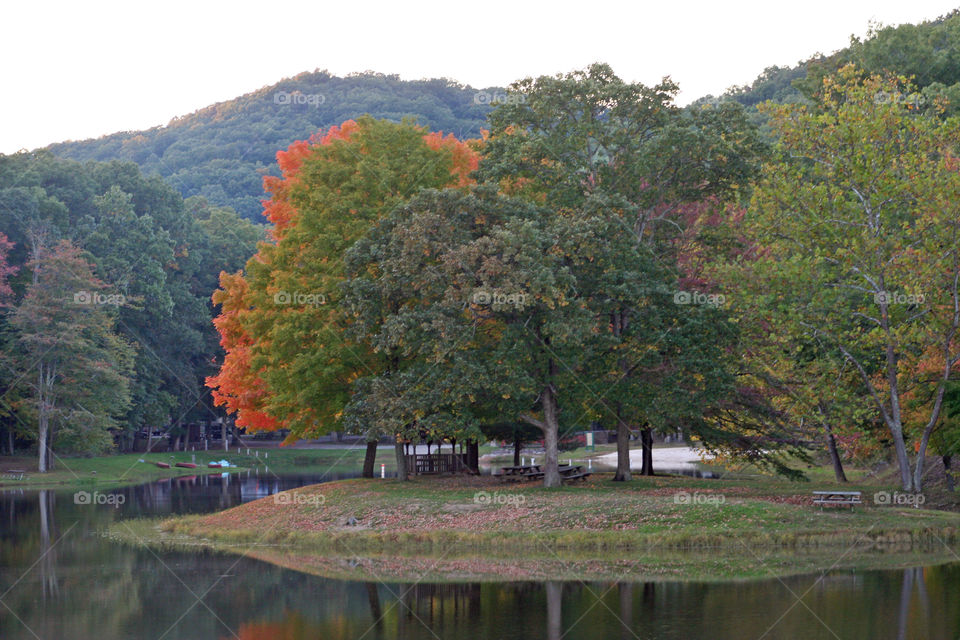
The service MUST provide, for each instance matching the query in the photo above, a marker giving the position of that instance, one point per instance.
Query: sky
(75, 70)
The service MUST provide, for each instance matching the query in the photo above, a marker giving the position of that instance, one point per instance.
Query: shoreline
(745, 563)
(633, 528)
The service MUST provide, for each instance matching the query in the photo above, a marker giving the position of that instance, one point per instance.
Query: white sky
(75, 70)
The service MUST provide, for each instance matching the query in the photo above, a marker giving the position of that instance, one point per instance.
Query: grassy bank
(712, 527)
(410, 562)
(127, 469)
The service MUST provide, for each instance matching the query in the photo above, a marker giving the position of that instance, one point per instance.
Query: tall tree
(75, 371)
(857, 228)
(492, 290)
(589, 140)
(290, 362)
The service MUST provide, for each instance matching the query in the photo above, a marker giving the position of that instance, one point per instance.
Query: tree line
(106, 326)
(604, 255)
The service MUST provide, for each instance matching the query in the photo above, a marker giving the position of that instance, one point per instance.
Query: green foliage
(857, 231)
(146, 247)
(72, 371)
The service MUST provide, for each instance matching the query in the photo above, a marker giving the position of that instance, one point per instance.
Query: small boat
(186, 465)
(163, 465)
(214, 465)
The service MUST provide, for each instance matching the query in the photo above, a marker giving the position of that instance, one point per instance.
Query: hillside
(221, 152)
(928, 52)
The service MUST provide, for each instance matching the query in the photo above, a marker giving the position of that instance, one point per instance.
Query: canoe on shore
(214, 465)
(186, 465)
(163, 465)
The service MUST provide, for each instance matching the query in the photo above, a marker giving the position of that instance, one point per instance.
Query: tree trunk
(623, 452)
(223, 435)
(951, 487)
(551, 475)
(42, 424)
(618, 323)
(903, 460)
(473, 456)
(517, 446)
(401, 461)
(835, 455)
(369, 458)
(646, 439)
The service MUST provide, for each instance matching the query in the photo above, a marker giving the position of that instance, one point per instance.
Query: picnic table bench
(539, 472)
(839, 498)
(15, 474)
(567, 472)
(574, 473)
(517, 472)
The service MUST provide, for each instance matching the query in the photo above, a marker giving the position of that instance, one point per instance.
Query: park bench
(837, 498)
(15, 474)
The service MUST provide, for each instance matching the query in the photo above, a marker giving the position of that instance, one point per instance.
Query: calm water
(59, 579)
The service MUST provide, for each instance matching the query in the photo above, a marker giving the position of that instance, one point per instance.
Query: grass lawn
(665, 512)
(479, 528)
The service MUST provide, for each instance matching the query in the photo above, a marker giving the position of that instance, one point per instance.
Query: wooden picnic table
(517, 470)
(840, 498)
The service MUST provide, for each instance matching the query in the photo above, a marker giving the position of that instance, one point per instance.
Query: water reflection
(62, 580)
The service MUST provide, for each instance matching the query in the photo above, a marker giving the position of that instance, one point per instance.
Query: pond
(60, 579)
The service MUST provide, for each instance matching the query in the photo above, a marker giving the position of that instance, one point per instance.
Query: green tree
(74, 369)
(289, 324)
(589, 144)
(857, 231)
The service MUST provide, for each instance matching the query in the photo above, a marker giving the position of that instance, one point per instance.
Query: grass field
(478, 526)
(676, 512)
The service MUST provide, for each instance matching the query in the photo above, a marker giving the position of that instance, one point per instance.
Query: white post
(383, 471)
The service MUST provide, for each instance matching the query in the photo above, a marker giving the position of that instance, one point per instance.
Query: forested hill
(928, 52)
(221, 152)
